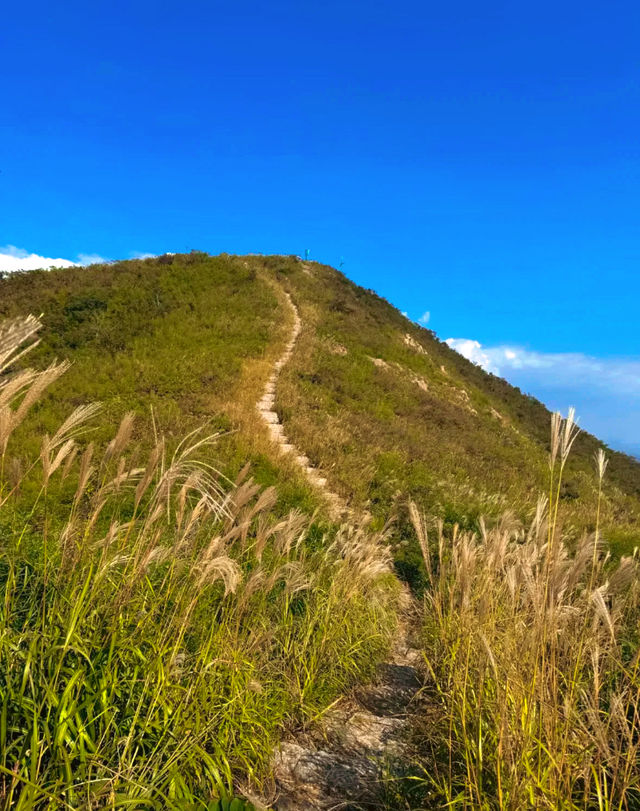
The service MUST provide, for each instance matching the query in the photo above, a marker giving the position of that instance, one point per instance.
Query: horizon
(485, 358)
(475, 166)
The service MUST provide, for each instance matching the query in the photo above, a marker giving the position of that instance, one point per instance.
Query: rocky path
(347, 760)
(266, 409)
(352, 758)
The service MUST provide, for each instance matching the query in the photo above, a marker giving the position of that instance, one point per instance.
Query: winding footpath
(347, 760)
(266, 409)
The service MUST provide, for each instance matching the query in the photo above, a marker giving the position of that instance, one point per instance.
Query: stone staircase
(266, 409)
(345, 761)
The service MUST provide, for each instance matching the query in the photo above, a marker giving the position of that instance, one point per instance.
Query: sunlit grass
(532, 647)
(161, 627)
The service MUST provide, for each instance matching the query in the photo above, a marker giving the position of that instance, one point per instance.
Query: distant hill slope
(379, 404)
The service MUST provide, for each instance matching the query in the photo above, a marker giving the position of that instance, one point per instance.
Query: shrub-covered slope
(181, 340)
(378, 403)
(164, 627)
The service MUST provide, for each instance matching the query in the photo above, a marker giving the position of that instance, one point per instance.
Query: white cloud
(606, 391)
(12, 258)
(142, 255)
(475, 352)
(425, 318)
(554, 368)
(91, 259)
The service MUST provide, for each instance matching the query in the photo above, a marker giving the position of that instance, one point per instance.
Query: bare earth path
(346, 760)
(266, 409)
(350, 759)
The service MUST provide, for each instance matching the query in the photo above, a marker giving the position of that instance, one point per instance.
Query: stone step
(276, 431)
(270, 417)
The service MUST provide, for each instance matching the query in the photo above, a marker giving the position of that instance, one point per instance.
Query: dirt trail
(344, 761)
(266, 409)
(350, 760)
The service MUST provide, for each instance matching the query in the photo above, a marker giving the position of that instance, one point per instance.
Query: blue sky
(476, 161)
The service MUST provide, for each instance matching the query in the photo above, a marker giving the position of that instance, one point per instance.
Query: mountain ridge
(377, 402)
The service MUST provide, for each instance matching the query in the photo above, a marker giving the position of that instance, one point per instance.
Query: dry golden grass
(533, 650)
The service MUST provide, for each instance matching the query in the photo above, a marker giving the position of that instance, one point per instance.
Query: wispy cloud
(606, 391)
(91, 259)
(424, 318)
(555, 369)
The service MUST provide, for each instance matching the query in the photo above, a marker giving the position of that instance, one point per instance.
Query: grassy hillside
(181, 340)
(166, 614)
(391, 410)
(380, 404)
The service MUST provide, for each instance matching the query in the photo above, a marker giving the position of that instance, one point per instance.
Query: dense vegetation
(175, 597)
(159, 626)
(533, 652)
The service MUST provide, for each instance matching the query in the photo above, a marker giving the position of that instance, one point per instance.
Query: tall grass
(159, 627)
(532, 645)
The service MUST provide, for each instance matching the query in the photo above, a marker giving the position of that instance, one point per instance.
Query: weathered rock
(363, 733)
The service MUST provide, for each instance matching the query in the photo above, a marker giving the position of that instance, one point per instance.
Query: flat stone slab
(270, 416)
(276, 431)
